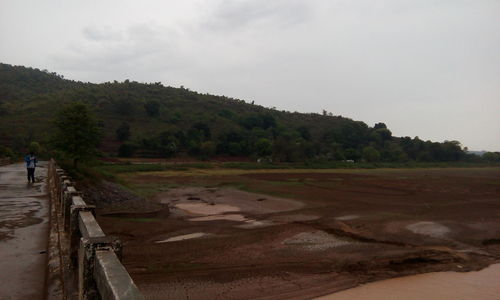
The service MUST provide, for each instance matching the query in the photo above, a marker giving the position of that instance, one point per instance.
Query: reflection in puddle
(183, 237)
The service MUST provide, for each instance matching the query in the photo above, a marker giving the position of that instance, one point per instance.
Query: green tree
(394, 153)
(380, 126)
(491, 156)
(34, 147)
(371, 154)
(6, 152)
(352, 154)
(263, 147)
(207, 149)
(76, 133)
(152, 108)
(126, 150)
(123, 132)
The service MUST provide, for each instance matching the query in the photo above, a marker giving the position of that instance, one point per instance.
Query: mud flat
(309, 234)
(484, 285)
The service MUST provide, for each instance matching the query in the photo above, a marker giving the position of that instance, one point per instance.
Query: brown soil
(339, 230)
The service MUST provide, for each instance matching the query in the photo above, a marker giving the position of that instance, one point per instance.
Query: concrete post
(74, 231)
(67, 201)
(64, 183)
(87, 289)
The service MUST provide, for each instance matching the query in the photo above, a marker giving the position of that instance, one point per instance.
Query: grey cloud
(142, 47)
(101, 34)
(235, 15)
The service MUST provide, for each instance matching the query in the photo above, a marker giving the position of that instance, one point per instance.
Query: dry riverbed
(295, 235)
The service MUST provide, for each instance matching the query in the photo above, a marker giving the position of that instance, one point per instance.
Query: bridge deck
(24, 225)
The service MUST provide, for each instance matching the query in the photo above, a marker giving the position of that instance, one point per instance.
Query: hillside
(152, 120)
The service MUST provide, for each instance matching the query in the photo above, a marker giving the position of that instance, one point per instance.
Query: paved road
(24, 215)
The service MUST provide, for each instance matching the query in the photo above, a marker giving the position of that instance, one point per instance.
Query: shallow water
(484, 285)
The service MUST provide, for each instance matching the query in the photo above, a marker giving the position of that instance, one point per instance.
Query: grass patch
(128, 168)
(146, 190)
(347, 165)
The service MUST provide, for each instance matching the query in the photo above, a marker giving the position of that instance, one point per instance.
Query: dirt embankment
(112, 198)
(334, 231)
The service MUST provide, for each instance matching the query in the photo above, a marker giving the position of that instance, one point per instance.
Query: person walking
(31, 162)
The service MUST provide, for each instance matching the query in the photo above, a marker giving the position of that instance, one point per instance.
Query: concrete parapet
(87, 288)
(69, 193)
(74, 231)
(89, 228)
(96, 257)
(112, 279)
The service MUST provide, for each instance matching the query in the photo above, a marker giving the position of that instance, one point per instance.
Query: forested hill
(153, 120)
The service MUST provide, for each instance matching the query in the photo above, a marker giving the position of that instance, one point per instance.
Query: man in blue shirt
(31, 162)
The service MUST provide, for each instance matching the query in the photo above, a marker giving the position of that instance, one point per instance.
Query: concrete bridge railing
(95, 257)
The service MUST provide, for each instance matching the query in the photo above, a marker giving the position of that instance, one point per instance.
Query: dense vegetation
(152, 120)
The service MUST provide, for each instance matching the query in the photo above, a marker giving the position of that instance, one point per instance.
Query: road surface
(24, 226)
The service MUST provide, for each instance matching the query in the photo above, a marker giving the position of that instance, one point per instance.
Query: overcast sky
(427, 68)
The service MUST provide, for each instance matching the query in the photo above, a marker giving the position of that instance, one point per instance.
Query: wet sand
(484, 285)
(23, 233)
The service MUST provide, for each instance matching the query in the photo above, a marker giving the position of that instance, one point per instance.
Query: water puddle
(250, 224)
(316, 240)
(347, 218)
(207, 209)
(183, 237)
(431, 229)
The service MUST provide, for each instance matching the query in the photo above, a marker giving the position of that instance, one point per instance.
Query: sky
(426, 68)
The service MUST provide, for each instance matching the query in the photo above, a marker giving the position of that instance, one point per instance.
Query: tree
(352, 154)
(123, 132)
(34, 147)
(207, 149)
(263, 147)
(304, 133)
(126, 150)
(152, 108)
(76, 134)
(6, 152)
(371, 154)
(491, 156)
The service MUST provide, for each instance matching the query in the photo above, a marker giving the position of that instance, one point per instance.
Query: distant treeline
(153, 120)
